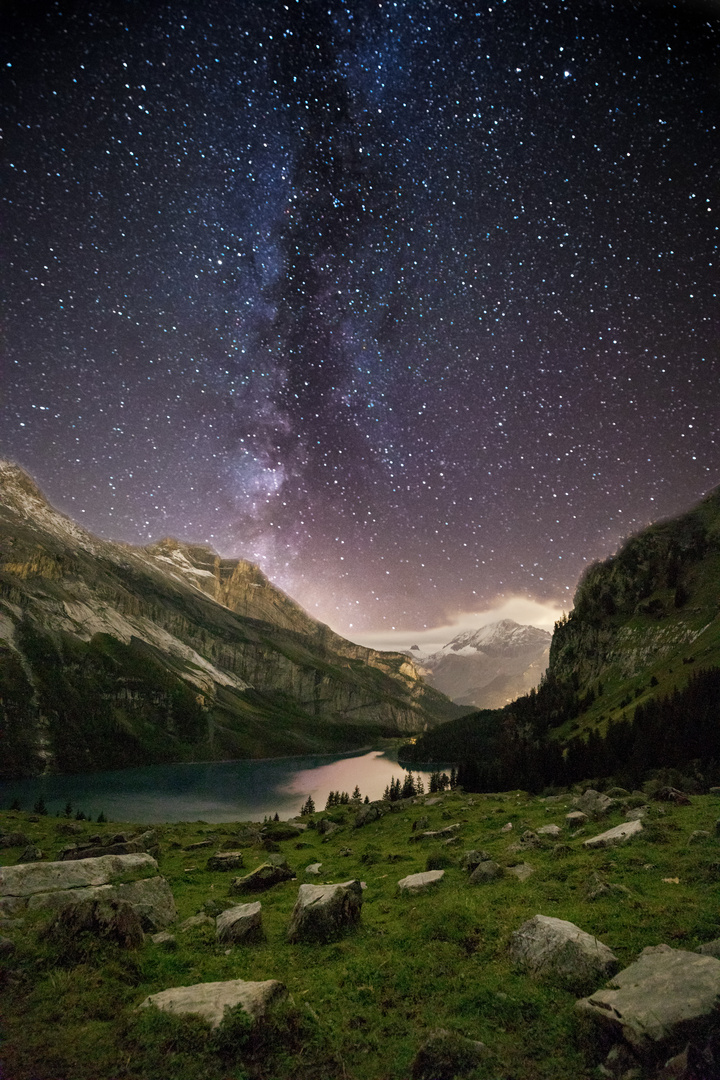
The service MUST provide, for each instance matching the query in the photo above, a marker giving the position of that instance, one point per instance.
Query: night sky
(413, 303)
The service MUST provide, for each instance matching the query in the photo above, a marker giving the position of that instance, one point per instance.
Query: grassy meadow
(360, 1007)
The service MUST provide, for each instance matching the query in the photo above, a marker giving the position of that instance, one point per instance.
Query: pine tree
(101, 817)
(344, 799)
(277, 816)
(40, 807)
(308, 807)
(356, 796)
(366, 800)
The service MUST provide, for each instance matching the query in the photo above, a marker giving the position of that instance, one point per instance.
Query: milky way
(412, 303)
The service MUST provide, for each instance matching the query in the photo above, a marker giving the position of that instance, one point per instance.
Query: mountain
(489, 667)
(633, 679)
(113, 655)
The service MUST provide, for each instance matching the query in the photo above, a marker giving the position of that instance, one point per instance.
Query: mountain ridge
(113, 655)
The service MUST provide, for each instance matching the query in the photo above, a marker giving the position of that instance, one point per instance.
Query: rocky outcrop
(547, 947)
(209, 1001)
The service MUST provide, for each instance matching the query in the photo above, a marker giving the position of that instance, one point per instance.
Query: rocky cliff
(112, 655)
(645, 618)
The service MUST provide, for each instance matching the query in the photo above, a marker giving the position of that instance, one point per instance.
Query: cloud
(523, 609)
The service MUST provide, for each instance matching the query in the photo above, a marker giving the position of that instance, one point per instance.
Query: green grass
(360, 1007)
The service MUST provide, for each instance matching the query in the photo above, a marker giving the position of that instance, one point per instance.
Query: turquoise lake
(212, 791)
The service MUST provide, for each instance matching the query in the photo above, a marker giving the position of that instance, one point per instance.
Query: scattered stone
(165, 939)
(31, 854)
(201, 919)
(263, 877)
(549, 830)
(657, 1001)
(198, 844)
(313, 868)
(552, 800)
(119, 844)
(471, 859)
(522, 871)
(210, 1000)
(367, 813)
(414, 883)
(575, 819)
(671, 794)
(446, 1055)
(507, 828)
(14, 839)
(618, 835)
(322, 912)
(710, 948)
(242, 923)
(593, 803)
(114, 920)
(226, 860)
(486, 871)
(554, 948)
(327, 827)
(345, 852)
(638, 814)
(433, 801)
(421, 823)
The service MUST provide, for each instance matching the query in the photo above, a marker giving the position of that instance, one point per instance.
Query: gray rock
(313, 868)
(446, 1055)
(710, 948)
(322, 912)
(486, 871)
(210, 1000)
(435, 800)
(31, 878)
(241, 923)
(367, 813)
(194, 921)
(554, 948)
(594, 803)
(263, 877)
(659, 1001)
(327, 827)
(414, 883)
(473, 858)
(120, 844)
(575, 819)
(226, 860)
(31, 854)
(113, 920)
(14, 839)
(164, 939)
(549, 830)
(618, 835)
(638, 814)
(507, 828)
(521, 871)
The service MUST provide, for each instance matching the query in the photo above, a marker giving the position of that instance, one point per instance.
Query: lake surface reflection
(212, 791)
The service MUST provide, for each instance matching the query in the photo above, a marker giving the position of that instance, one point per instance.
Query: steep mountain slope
(644, 619)
(489, 667)
(112, 655)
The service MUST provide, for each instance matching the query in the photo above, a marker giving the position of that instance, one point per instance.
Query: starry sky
(412, 302)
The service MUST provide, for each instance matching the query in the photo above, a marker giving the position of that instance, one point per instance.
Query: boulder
(314, 868)
(54, 885)
(656, 1004)
(367, 813)
(164, 939)
(553, 948)
(210, 1000)
(521, 871)
(486, 871)
(594, 803)
(473, 858)
(14, 839)
(120, 844)
(240, 923)
(445, 1055)
(192, 923)
(618, 835)
(226, 860)
(507, 827)
(637, 814)
(414, 883)
(549, 830)
(109, 919)
(263, 877)
(31, 854)
(575, 819)
(710, 948)
(322, 912)
(327, 827)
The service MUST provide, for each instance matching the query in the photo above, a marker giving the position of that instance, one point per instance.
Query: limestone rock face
(240, 923)
(210, 1000)
(419, 882)
(549, 947)
(618, 835)
(322, 912)
(664, 998)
